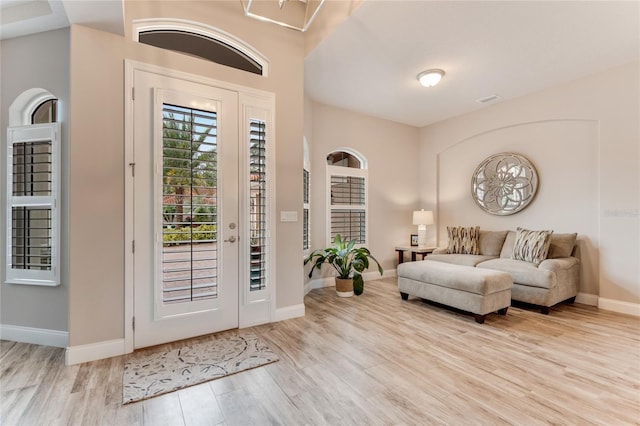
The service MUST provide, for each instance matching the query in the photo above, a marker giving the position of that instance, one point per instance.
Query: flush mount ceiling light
(295, 14)
(430, 78)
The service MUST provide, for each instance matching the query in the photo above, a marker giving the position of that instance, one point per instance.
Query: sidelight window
(258, 204)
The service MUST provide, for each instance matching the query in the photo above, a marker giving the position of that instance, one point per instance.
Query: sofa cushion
(463, 240)
(459, 259)
(507, 248)
(491, 242)
(523, 273)
(561, 245)
(531, 246)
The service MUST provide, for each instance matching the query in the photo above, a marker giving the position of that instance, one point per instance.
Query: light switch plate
(286, 216)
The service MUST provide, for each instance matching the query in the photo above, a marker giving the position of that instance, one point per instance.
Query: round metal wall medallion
(504, 184)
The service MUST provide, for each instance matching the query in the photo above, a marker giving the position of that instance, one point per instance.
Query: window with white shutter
(33, 187)
(306, 188)
(258, 204)
(347, 196)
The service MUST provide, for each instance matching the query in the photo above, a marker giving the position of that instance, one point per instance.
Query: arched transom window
(202, 41)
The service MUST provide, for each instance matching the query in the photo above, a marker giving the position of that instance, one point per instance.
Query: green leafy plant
(347, 259)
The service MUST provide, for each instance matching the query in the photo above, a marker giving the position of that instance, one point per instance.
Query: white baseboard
(289, 312)
(375, 275)
(94, 351)
(330, 282)
(318, 283)
(116, 347)
(619, 306)
(36, 336)
(587, 299)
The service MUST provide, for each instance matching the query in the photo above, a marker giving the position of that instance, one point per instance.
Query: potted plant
(348, 260)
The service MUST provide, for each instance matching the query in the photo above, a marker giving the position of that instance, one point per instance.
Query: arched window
(347, 197)
(46, 112)
(200, 40)
(33, 171)
(343, 159)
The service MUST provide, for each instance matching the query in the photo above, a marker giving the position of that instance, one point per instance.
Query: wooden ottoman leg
(404, 296)
(479, 318)
(544, 310)
(503, 311)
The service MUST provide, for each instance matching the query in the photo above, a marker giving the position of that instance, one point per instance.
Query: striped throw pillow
(463, 240)
(531, 246)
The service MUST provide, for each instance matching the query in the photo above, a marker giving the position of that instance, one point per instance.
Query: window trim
(155, 24)
(26, 103)
(35, 132)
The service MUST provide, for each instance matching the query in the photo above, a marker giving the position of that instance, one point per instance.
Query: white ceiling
(509, 48)
(370, 62)
(23, 17)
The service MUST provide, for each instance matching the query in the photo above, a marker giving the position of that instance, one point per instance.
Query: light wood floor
(368, 360)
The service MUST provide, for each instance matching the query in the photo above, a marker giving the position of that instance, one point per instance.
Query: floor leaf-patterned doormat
(150, 375)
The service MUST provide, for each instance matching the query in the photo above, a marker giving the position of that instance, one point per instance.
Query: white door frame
(252, 310)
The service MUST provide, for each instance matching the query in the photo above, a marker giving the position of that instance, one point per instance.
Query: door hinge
(133, 93)
(133, 246)
(133, 323)
(133, 169)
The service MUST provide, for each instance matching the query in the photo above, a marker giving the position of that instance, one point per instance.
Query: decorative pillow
(463, 240)
(531, 246)
(561, 245)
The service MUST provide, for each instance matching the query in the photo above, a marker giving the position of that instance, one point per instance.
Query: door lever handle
(232, 239)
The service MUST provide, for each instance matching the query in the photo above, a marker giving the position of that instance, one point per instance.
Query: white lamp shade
(422, 217)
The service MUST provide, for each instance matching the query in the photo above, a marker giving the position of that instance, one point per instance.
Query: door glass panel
(189, 204)
(258, 204)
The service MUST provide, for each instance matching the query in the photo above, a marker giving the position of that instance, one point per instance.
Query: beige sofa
(555, 279)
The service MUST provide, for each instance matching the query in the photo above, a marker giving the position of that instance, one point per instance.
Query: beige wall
(583, 138)
(97, 186)
(391, 150)
(35, 61)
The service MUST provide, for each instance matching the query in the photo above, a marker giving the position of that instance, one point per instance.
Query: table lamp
(422, 218)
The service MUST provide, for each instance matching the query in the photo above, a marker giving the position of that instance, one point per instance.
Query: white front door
(185, 200)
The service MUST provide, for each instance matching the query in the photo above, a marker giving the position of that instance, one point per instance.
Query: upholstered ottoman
(476, 290)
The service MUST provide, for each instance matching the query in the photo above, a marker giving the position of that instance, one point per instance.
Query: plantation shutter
(32, 205)
(189, 204)
(258, 204)
(348, 203)
(306, 186)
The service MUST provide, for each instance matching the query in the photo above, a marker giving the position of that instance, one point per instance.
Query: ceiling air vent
(488, 99)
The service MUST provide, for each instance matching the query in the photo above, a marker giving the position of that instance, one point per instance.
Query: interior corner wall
(97, 157)
(582, 136)
(391, 150)
(35, 61)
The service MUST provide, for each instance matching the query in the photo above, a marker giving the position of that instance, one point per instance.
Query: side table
(413, 250)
